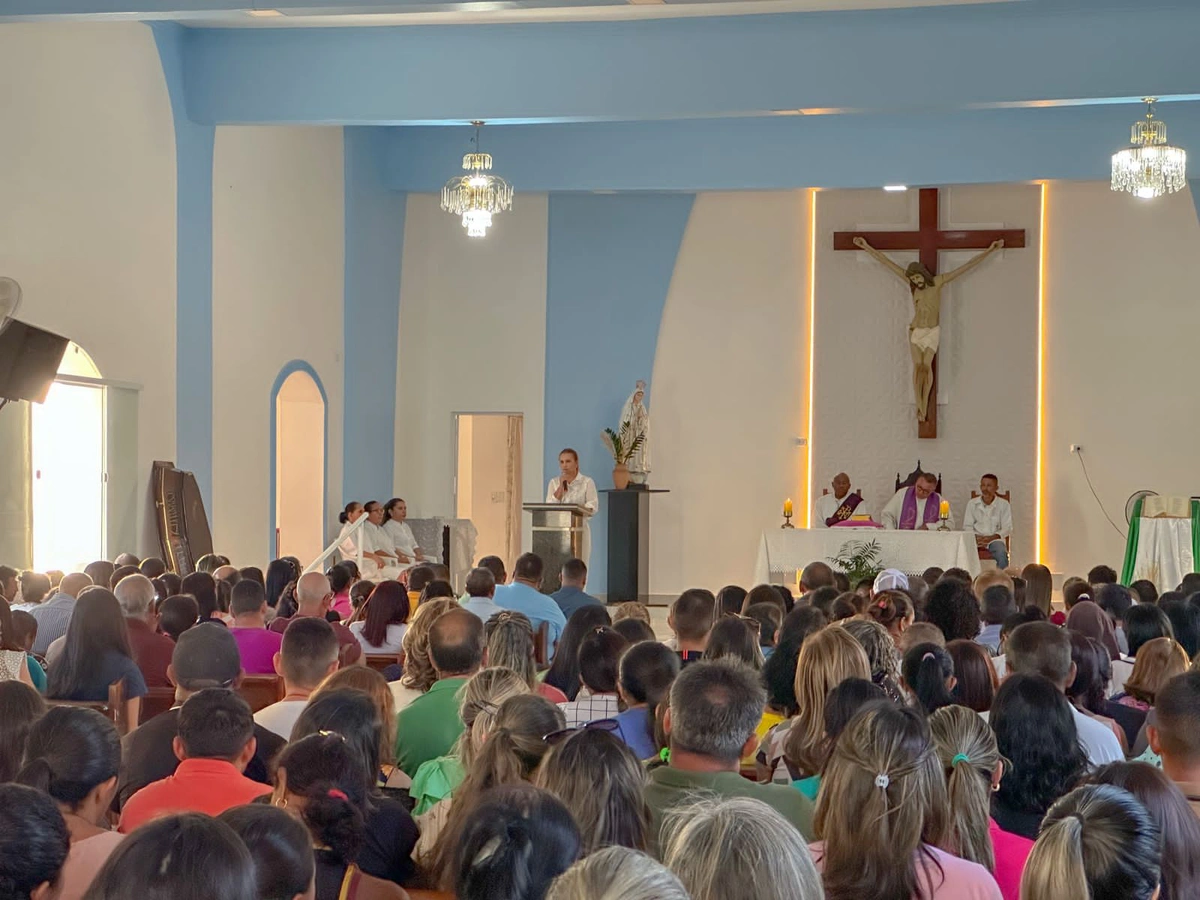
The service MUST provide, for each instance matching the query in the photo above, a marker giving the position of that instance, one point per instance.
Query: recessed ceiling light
(263, 13)
(895, 187)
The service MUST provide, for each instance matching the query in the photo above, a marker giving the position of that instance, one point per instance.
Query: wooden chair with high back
(261, 690)
(911, 478)
(984, 553)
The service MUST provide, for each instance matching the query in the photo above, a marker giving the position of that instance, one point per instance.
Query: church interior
(300, 257)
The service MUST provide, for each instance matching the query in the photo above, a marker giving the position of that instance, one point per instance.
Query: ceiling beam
(991, 146)
(914, 60)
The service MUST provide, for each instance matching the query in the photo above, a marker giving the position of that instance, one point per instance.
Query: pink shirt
(258, 647)
(342, 606)
(1011, 851)
(958, 879)
(84, 861)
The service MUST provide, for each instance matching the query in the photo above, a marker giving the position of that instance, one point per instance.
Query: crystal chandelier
(1151, 167)
(478, 195)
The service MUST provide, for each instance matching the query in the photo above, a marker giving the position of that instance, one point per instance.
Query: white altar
(783, 551)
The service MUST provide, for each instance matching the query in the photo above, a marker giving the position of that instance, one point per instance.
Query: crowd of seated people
(271, 735)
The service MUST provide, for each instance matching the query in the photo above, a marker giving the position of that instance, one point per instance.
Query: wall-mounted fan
(1132, 502)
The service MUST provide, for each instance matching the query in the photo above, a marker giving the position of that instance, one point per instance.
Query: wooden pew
(113, 708)
(261, 690)
(380, 661)
(157, 700)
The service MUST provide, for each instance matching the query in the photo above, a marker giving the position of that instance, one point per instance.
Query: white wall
(865, 413)
(728, 392)
(278, 252)
(1122, 317)
(87, 207)
(300, 467)
(472, 339)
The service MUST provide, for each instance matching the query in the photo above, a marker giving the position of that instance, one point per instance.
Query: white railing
(318, 564)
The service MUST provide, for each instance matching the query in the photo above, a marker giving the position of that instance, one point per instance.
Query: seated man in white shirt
(1040, 648)
(990, 517)
(915, 508)
(839, 506)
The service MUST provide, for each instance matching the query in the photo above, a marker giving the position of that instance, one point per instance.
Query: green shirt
(668, 787)
(428, 727)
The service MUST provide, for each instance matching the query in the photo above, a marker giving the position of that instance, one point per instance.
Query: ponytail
(926, 669)
(334, 820)
(1055, 870)
(36, 774)
(344, 515)
(967, 749)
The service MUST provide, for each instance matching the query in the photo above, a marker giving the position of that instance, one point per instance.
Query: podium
(629, 544)
(557, 536)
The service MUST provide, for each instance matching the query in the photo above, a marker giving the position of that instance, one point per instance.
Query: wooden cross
(929, 240)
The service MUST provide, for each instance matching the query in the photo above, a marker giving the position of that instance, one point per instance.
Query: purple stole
(908, 512)
(845, 511)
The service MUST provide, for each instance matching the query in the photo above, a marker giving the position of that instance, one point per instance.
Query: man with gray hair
(714, 710)
(481, 588)
(151, 651)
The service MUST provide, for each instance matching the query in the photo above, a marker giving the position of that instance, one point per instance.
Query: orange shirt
(199, 785)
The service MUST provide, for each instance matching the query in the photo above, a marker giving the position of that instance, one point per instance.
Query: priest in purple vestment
(915, 507)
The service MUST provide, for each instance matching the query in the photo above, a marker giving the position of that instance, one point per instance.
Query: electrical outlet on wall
(499, 496)
(1076, 448)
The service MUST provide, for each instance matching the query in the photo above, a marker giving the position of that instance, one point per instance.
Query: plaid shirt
(588, 707)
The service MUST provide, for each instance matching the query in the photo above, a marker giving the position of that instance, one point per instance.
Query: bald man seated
(313, 598)
(839, 506)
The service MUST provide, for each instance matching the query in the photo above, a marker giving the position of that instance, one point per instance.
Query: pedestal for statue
(629, 544)
(557, 537)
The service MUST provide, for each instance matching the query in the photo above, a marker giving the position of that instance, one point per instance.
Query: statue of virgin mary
(635, 413)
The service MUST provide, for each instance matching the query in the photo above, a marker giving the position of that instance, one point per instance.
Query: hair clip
(960, 757)
(882, 781)
(928, 656)
(341, 737)
(337, 795)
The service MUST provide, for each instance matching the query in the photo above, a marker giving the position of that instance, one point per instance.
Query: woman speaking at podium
(574, 489)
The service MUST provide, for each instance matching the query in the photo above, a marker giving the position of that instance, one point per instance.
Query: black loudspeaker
(29, 360)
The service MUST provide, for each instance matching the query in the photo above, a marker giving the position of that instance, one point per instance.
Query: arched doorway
(67, 452)
(298, 440)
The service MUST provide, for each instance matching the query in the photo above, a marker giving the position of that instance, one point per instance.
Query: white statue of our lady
(635, 413)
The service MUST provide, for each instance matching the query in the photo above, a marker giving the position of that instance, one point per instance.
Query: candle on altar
(787, 507)
(944, 509)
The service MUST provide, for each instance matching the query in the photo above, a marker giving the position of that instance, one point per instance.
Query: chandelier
(1151, 167)
(478, 195)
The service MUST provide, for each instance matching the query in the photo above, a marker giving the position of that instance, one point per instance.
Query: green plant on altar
(858, 561)
(622, 446)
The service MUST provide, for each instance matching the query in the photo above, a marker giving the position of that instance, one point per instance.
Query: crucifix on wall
(926, 286)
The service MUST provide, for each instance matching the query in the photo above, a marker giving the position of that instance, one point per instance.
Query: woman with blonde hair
(883, 816)
(510, 644)
(375, 686)
(436, 779)
(1096, 843)
(617, 873)
(418, 674)
(966, 746)
(827, 659)
(510, 754)
(738, 848)
(1157, 662)
(881, 652)
(601, 782)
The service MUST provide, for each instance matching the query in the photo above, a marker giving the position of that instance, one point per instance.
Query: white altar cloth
(782, 551)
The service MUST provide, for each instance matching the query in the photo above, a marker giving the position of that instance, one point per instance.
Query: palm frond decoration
(622, 445)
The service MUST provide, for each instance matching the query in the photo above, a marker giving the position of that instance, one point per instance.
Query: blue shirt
(113, 667)
(570, 598)
(537, 606)
(635, 729)
(484, 607)
(52, 617)
(989, 637)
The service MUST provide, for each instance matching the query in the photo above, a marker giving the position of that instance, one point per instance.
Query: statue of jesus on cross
(924, 329)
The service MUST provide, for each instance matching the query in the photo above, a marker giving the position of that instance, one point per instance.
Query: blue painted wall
(610, 262)
(374, 244)
(193, 270)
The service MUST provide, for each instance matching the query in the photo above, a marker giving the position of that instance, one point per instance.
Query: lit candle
(944, 509)
(787, 507)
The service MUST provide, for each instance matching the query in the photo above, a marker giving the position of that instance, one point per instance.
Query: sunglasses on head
(557, 737)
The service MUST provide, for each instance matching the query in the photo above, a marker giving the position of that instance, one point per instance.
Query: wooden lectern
(557, 536)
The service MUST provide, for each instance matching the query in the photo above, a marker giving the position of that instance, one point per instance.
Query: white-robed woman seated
(398, 531)
(378, 563)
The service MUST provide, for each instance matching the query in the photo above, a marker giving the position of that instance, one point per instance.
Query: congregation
(277, 735)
